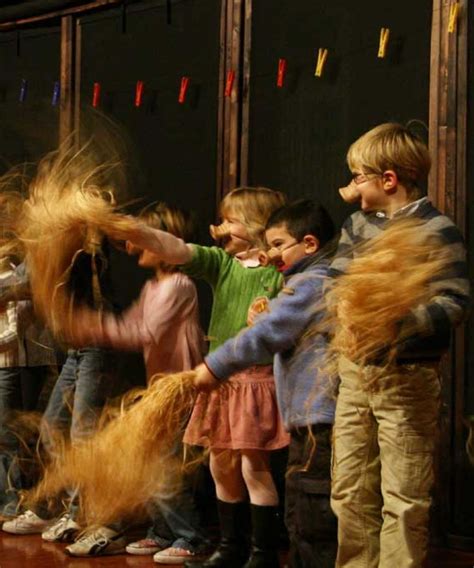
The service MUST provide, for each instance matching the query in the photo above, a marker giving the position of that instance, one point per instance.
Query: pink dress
(164, 323)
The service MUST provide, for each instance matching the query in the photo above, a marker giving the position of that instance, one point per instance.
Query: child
(164, 323)
(296, 235)
(242, 424)
(384, 441)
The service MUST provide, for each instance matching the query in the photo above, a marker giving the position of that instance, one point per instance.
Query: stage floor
(33, 552)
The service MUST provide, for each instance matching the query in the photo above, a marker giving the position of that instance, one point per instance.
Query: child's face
(148, 259)
(238, 239)
(284, 249)
(372, 191)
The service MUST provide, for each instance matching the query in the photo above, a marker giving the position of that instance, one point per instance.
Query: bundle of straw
(128, 461)
(66, 213)
(369, 307)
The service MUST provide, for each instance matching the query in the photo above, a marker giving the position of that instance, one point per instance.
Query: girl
(241, 424)
(164, 323)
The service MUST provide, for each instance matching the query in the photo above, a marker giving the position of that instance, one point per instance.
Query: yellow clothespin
(322, 56)
(384, 35)
(453, 17)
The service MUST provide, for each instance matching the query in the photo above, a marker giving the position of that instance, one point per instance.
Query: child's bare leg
(227, 474)
(258, 477)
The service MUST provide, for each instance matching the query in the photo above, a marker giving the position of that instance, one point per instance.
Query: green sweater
(234, 288)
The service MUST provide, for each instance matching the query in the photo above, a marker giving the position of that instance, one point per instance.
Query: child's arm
(274, 332)
(450, 303)
(345, 248)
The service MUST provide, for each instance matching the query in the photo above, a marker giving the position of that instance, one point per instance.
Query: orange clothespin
(453, 17)
(321, 62)
(139, 93)
(183, 89)
(281, 72)
(96, 95)
(229, 83)
(384, 35)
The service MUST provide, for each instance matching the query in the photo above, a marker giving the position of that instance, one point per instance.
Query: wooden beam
(247, 52)
(58, 14)
(220, 104)
(66, 101)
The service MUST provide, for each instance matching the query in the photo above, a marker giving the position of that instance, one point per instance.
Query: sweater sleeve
(274, 332)
(148, 321)
(451, 295)
(169, 248)
(207, 263)
(344, 252)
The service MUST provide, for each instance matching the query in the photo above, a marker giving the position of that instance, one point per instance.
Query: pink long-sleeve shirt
(164, 323)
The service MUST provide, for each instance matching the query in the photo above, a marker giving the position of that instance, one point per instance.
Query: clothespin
(96, 95)
(453, 17)
(281, 72)
(321, 62)
(139, 93)
(229, 83)
(384, 35)
(56, 93)
(23, 90)
(183, 89)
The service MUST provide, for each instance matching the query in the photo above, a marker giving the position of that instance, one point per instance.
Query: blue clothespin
(23, 90)
(56, 93)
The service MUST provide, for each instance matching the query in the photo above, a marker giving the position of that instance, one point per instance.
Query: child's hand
(205, 380)
(259, 305)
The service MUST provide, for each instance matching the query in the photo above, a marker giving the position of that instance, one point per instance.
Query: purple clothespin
(56, 92)
(23, 90)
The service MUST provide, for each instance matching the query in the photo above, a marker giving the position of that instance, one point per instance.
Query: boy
(384, 440)
(295, 234)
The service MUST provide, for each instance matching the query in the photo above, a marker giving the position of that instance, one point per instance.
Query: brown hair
(391, 146)
(171, 219)
(252, 206)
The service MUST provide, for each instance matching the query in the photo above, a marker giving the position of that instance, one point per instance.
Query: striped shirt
(433, 322)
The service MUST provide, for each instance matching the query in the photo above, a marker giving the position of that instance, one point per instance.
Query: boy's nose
(349, 193)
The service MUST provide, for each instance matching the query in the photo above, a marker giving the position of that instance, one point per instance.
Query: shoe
(176, 555)
(232, 550)
(27, 523)
(99, 542)
(264, 551)
(143, 546)
(63, 530)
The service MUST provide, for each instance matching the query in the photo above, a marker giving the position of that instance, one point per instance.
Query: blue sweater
(305, 396)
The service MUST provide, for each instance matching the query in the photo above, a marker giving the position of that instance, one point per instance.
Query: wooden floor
(33, 552)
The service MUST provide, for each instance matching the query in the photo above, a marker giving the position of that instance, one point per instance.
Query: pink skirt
(241, 415)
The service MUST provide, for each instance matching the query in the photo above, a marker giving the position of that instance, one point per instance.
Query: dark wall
(299, 134)
(29, 129)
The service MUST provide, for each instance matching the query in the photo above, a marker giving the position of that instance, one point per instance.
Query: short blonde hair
(391, 146)
(252, 206)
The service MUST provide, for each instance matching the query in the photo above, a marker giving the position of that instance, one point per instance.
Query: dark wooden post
(67, 76)
(447, 189)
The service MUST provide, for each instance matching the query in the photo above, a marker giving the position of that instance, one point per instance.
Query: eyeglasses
(281, 248)
(357, 179)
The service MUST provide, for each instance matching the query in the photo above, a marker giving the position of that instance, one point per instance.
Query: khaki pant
(384, 438)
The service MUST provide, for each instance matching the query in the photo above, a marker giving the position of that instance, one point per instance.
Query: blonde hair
(171, 219)
(252, 206)
(391, 146)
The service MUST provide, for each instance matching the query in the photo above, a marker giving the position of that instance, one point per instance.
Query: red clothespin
(96, 95)
(139, 93)
(183, 89)
(281, 72)
(229, 83)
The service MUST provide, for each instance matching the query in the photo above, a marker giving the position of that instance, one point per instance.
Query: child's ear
(390, 181)
(311, 244)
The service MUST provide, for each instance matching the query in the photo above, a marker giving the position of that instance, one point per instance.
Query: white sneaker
(99, 542)
(63, 530)
(27, 523)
